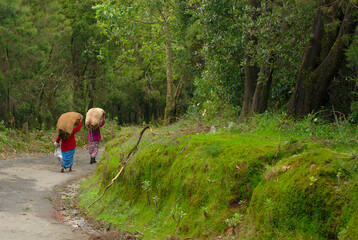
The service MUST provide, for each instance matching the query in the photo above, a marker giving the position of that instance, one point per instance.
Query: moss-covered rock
(307, 193)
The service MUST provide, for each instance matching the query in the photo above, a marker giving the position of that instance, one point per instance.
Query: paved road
(26, 212)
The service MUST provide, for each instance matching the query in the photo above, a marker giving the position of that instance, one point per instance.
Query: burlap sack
(66, 123)
(94, 117)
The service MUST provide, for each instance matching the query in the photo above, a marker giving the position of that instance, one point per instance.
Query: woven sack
(94, 117)
(66, 123)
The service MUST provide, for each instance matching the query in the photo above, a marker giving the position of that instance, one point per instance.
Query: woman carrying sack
(94, 137)
(68, 147)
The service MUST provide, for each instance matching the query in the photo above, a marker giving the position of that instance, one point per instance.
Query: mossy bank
(246, 182)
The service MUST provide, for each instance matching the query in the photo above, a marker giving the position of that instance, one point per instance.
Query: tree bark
(262, 92)
(263, 85)
(251, 75)
(177, 95)
(7, 64)
(310, 61)
(311, 91)
(251, 72)
(170, 105)
(172, 95)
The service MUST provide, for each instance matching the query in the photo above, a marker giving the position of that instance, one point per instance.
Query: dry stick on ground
(120, 171)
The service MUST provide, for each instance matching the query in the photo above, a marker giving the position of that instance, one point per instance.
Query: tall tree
(15, 31)
(150, 25)
(173, 94)
(85, 47)
(27, 32)
(324, 56)
(262, 91)
(251, 68)
(263, 84)
(276, 44)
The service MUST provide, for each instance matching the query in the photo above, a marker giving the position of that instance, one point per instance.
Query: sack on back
(94, 117)
(66, 123)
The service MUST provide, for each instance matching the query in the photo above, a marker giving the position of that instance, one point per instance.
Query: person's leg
(95, 150)
(90, 151)
(71, 162)
(67, 159)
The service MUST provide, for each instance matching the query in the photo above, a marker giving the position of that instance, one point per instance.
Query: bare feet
(70, 169)
(62, 169)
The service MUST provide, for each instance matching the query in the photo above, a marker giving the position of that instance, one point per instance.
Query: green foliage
(352, 53)
(141, 29)
(16, 143)
(63, 55)
(66, 64)
(279, 36)
(222, 51)
(234, 221)
(141, 57)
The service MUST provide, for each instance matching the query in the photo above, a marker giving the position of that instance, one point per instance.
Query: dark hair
(63, 135)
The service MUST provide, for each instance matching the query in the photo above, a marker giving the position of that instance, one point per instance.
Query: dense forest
(251, 108)
(159, 60)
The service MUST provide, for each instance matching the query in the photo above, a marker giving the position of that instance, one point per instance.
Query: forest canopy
(159, 60)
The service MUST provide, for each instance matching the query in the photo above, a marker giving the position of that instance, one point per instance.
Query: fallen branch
(120, 171)
(139, 232)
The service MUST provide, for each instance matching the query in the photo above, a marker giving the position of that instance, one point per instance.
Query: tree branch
(356, 6)
(276, 3)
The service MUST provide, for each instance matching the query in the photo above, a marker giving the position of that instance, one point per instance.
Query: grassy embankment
(268, 179)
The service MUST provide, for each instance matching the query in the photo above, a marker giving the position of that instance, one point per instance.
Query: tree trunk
(9, 98)
(262, 92)
(251, 72)
(9, 87)
(169, 114)
(177, 94)
(251, 75)
(310, 61)
(170, 104)
(311, 91)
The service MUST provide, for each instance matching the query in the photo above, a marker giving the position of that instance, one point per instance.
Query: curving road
(26, 184)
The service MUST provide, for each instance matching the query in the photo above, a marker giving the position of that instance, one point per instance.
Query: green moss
(350, 231)
(188, 183)
(307, 196)
(202, 177)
